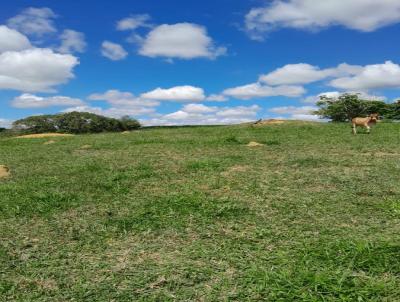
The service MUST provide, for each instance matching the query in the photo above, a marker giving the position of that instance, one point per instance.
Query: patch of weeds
(309, 162)
(232, 140)
(272, 143)
(208, 165)
(178, 212)
(345, 271)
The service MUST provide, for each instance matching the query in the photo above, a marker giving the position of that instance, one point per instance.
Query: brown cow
(365, 122)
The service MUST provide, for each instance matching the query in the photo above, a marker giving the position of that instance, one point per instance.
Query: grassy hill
(193, 214)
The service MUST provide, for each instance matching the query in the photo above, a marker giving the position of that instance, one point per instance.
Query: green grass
(193, 214)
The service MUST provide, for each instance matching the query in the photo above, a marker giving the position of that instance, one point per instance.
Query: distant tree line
(75, 123)
(348, 106)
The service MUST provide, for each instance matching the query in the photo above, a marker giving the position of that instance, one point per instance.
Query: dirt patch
(42, 135)
(125, 132)
(254, 144)
(4, 172)
(381, 154)
(49, 142)
(269, 122)
(235, 169)
(85, 147)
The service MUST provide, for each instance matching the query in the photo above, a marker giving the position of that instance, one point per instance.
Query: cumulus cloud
(72, 41)
(303, 73)
(120, 98)
(375, 76)
(12, 40)
(312, 99)
(113, 51)
(304, 113)
(5, 123)
(216, 98)
(293, 110)
(361, 15)
(181, 40)
(257, 90)
(198, 114)
(27, 100)
(34, 21)
(177, 94)
(198, 108)
(34, 70)
(133, 22)
(115, 112)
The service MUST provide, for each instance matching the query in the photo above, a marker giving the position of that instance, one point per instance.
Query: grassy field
(193, 214)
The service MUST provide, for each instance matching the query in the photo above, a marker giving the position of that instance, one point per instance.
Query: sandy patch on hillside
(42, 135)
(235, 169)
(85, 147)
(254, 144)
(4, 172)
(269, 122)
(49, 142)
(125, 132)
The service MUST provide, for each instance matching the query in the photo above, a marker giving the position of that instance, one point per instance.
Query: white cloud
(302, 73)
(178, 94)
(312, 99)
(304, 113)
(119, 98)
(35, 69)
(114, 112)
(27, 100)
(113, 51)
(133, 22)
(376, 76)
(361, 15)
(72, 41)
(12, 40)
(257, 90)
(293, 110)
(34, 21)
(198, 108)
(196, 114)
(182, 40)
(306, 117)
(216, 98)
(5, 123)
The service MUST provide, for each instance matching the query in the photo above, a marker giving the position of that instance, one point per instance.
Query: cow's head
(373, 117)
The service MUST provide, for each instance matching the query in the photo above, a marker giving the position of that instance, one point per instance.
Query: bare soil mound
(4, 172)
(269, 122)
(49, 142)
(254, 144)
(85, 147)
(42, 135)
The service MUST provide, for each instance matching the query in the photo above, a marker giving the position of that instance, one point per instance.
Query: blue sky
(194, 62)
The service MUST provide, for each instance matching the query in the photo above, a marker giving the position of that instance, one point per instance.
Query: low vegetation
(74, 122)
(194, 214)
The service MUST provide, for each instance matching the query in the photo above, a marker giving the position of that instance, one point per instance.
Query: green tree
(129, 123)
(36, 124)
(348, 106)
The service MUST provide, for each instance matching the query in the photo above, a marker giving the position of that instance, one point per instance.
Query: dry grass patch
(43, 135)
(4, 172)
(254, 144)
(269, 122)
(49, 142)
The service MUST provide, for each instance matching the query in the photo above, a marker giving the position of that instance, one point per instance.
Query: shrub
(74, 122)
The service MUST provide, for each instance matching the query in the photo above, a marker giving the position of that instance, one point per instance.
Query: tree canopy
(348, 106)
(74, 122)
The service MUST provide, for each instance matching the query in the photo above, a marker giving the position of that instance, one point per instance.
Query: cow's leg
(354, 129)
(368, 128)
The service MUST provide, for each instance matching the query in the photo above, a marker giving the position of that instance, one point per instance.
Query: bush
(74, 122)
